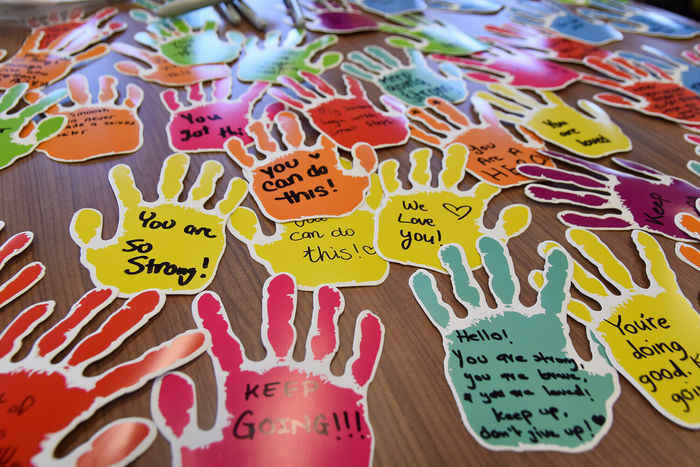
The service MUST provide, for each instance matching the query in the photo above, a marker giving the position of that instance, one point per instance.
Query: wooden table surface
(411, 408)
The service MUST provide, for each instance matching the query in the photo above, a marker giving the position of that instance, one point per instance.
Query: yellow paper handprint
(650, 334)
(337, 251)
(555, 121)
(412, 225)
(164, 244)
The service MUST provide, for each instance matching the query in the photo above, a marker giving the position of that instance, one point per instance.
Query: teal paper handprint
(19, 135)
(182, 45)
(411, 83)
(513, 371)
(285, 58)
(430, 36)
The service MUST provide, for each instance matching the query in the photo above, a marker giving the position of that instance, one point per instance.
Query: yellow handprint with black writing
(165, 245)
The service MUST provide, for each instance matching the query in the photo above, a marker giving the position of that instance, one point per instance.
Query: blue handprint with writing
(513, 371)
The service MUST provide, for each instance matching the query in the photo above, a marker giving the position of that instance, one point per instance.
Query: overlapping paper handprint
(338, 17)
(685, 72)
(428, 36)
(166, 245)
(494, 152)
(650, 333)
(648, 201)
(412, 225)
(94, 129)
(644, 88)
(412, 83)
(336, 250)
(25, 278)
(177, 41)
(206, 124)
(164, 72)
(592, 136)
(515, 391)
(74, 25)
(302, 182)
(347, 119)
(520, 68)
(45, 397)
(277, 411)
(285, 57)
(20, 134)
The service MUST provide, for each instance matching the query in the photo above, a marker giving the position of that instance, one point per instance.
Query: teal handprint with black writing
(513, 371)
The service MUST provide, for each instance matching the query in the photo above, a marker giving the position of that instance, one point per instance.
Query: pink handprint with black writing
(649, 202)
(276, 411)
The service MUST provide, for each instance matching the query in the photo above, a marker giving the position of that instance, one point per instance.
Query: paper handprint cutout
(94, 129)
(520, 68)
(412, 225)
(494, 152)
(650, 334)
(644, 88)
(515, 391)
(285, 57)
(166, 245)
(347, 119)
(302, 182)
(434, 36)
(20, 134)
(592, 136)
(77, 25)
(277, 411)
(338, 251)
(558, 18)
(54, 397)
(177, 41)
(162, 71)
(412, 83)
(648, 201)
(338, 17)
(206, 124)
(26, 277)
(57, 58)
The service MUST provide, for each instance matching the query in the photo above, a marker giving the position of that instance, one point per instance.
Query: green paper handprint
(182, 45)
(19, 135)
(516, 376)
(430, 36)
(412, 83)
(285, 58)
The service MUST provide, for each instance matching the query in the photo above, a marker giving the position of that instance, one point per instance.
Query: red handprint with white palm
(277, 411)
(42, 401)
(644, 88)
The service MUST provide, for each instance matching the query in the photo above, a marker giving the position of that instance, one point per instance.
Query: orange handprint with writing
(94, 129)
(304, 181)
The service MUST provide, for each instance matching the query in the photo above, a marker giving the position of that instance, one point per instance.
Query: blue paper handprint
(392, 7)
(515, 375)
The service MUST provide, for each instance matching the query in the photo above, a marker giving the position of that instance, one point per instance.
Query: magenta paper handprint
(206, 124)
(338, 16)
(649, 201)
(276, 411)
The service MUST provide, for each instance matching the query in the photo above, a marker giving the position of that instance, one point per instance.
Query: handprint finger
(364, 156)
(122, 180)
(689, 254)
(272, 39)
(244, 223)
(171, 176)
(254, 92)
(464, 286)
(322, 342)
(14, 246)
(118, 443)
(78, 89)
(108, 89)
(12, 96)
(389, 173)
(321, 85)
(92, 53)
(134, 96)
(133, 52)
(174, 404)
(42, 104)
(47, 128)
(577, 309)
(86, 227)
(195, 94)
(640, 168)
(419, 114)
(383, 57)
(290, 127)
(560, 175)
(279, 307)
(237, 190)
(513, 220)
(366, 348)
(430, 300)
(205, 185)
(453, 165)
(129, 68)
(22, 326)
(22, 281)
(419, 173)
(364, 61)
(499, 267)
(545, 194)
(62, 334)
(657, 267)
(602, 257)
(557, 280)
(209, 313)
(262, 138)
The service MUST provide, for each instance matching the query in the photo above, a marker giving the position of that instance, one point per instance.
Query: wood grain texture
(414, 416)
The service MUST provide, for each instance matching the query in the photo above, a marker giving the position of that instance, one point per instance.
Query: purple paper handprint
(650, 203)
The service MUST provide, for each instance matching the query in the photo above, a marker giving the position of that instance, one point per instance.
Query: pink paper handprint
(206, 124)
(276, 411)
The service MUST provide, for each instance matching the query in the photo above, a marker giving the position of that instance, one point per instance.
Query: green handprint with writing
(19, 135)
(513, 371)
(285, 57)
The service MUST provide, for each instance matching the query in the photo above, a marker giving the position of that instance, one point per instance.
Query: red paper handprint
(41, 401)
(77, 25)
(276, 411)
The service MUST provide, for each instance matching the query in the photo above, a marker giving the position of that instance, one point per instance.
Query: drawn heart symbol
(452, 209)
(598, 419)
(315, 155)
